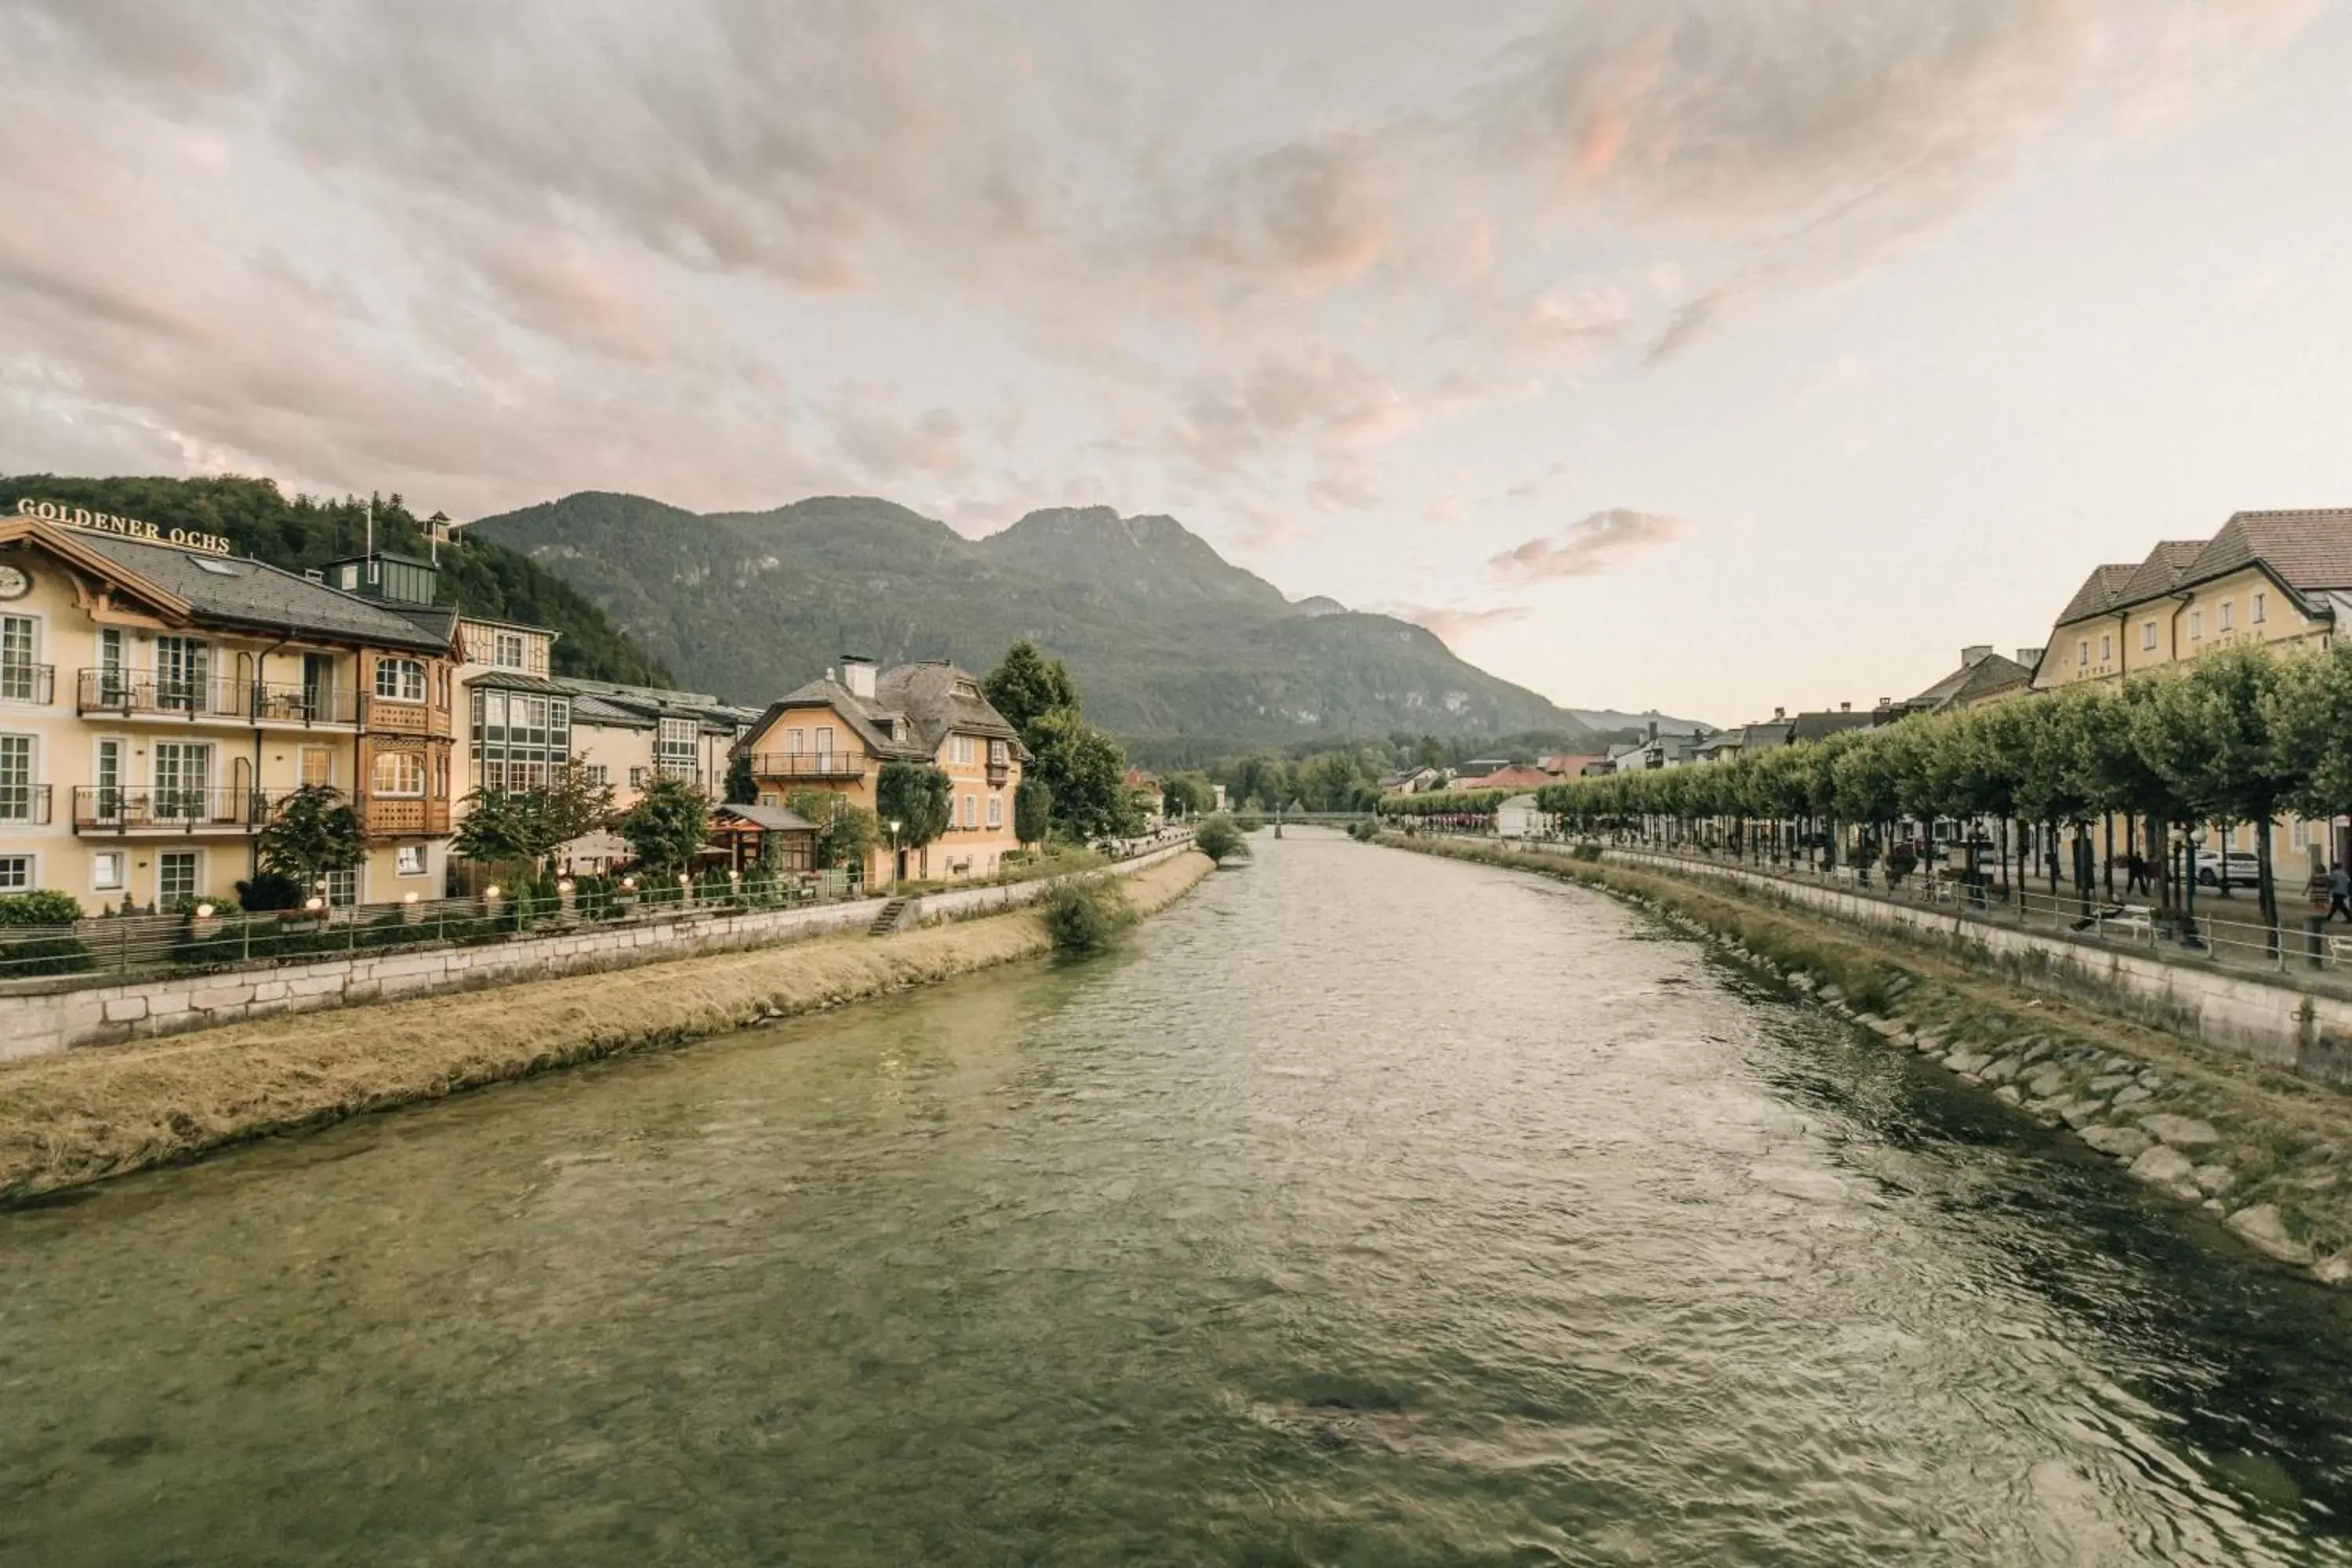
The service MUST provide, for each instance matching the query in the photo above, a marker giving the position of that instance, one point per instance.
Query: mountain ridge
(1167, 638)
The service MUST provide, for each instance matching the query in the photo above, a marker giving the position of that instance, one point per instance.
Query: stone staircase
(893, 915)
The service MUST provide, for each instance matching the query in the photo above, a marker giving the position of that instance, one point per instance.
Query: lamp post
(2189, 841)
(894, 854)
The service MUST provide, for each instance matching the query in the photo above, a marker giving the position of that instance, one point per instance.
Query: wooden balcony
(808, 764)
(381, 716)
(384, 815)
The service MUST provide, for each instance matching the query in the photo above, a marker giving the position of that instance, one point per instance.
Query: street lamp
(894, 851)
(2192, 839)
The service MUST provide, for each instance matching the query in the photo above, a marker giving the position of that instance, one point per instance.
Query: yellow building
(2279, 578)
(2268, 577)
(836, 734)
(159, 697)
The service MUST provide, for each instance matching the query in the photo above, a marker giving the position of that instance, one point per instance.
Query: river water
(1371, 1209)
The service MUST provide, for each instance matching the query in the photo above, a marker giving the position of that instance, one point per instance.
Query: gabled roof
(233, 591)
(866, 719)
(2160, 572)
(2099, 594)
(932, 694)
(1821, 726)
(1972, 682)
(2310, 551)
(769, 818)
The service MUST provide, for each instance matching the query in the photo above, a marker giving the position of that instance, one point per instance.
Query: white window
(20, 653)
(175, 876)
(2083, 654)
(2147, 635)
(347, 577)
(998, 754)
(825, 740)
(972, 811)
(597, 774)
(2106, 648)
(111, 686)
(183, 666)
(408, 860)
(506, 650)
(2196, 624)
(636, 778)
(2260, 610)
(342, 888)
(16, 791)
(318, 766)
(400, 774)
(996, 811)
(399, 681)
(184, 779)
(2229, 613)
(105, 871)
(963, 750)
(15, 873)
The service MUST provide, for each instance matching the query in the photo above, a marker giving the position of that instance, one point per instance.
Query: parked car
(2239, 866)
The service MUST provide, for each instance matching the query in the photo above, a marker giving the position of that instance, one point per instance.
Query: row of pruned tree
(2240, 735)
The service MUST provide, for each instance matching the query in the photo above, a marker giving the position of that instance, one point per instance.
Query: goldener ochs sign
(129, 527)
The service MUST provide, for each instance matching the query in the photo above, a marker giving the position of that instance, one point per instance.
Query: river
(1369, 1209)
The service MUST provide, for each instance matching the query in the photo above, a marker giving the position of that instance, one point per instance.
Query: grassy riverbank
(2262, 1151)
(100, 1112)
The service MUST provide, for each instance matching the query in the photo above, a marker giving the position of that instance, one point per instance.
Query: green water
(1372, 1209)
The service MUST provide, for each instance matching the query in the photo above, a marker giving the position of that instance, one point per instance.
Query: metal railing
(21, 682)
(807, 764)
(303, 702)
(2213, 934)
(25, 804)
(173, 696)
(110, 809)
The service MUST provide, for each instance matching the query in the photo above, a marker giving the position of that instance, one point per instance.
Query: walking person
(2135, 873)
(2339, 892)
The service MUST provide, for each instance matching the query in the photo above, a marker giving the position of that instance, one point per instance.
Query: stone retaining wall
(2270, 1019)
(70, 1013)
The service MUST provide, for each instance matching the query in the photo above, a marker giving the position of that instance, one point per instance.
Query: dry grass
(102, 1110)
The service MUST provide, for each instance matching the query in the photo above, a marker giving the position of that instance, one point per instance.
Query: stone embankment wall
(76, 1116)
(65, 1012)
(2268, 1018)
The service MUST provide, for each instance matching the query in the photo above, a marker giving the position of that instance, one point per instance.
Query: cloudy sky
(1710, 356)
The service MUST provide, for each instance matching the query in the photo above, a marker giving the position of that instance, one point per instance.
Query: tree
(312, 832)
(920, 797)
(845, 831)
(2221, 748)
(1187, 794)
(742, 789)
(533, 824)
(1221, 841)
(1087, 774)
(1026, 686)
(1033, 811)
(670, 822)
(570, 803)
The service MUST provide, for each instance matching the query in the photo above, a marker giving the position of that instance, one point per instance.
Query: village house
(159, 698)
(836, 733)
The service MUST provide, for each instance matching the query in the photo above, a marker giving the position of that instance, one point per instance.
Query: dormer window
(507, 651)
(967, 690)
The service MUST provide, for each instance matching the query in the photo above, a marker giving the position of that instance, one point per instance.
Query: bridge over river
(1370, 1208)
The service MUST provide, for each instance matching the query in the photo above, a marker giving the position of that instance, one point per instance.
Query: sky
(1709, 355)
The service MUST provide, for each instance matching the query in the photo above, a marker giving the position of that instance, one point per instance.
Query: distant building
(1509, 775)
(1517, 817)
(1983, 676)
(835, 734)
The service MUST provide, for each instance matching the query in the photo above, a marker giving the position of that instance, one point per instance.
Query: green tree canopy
(1033, 811)
(313, 831)
(920, 797)
(668, 825)
(1085, 772)
(845, 831)
(1026, 686)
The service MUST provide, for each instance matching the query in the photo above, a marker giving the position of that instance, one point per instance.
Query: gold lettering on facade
(128, 527)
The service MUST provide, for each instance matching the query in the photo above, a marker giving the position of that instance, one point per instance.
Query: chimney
(1846, 706)
(1779, 715)
(2028, 656)
(1653, 729)
(857, 674)
(1975, 654)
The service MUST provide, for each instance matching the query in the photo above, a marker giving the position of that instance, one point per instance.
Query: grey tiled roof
(640, 707)
(2310, 551)
(2097, 597)
(2160, 572)
(1992, 674)
(774, 818)
(245, 593)
(923, 694)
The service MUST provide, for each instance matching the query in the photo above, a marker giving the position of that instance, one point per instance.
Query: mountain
(1612, 718)
(258, 520)
(1166, 636)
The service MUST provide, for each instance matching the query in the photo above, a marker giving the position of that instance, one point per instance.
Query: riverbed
(1369, 1209)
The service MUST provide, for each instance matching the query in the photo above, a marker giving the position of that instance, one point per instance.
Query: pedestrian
(2135, 869)
(2339, 892)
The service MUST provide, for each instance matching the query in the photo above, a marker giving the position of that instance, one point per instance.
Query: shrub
(1084, 916)
(46, 954)
(1249, 821)
(270, 891)
(1221, 841)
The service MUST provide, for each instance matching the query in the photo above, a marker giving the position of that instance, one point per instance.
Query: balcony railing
(105, 808)
(28, 682)
(213, 697)
(394, 814)
(25, 804)
(807, 764)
